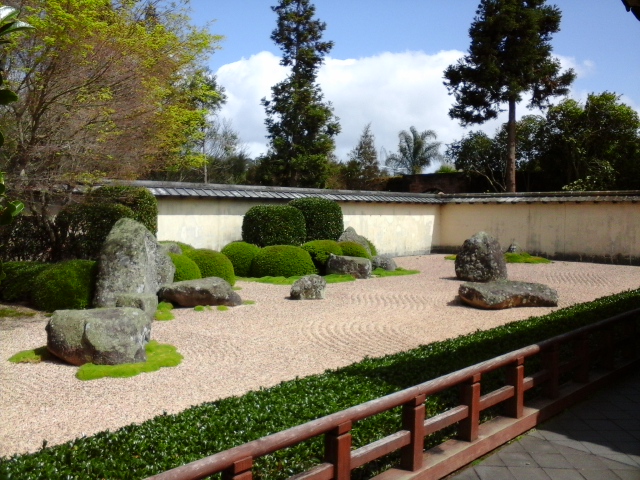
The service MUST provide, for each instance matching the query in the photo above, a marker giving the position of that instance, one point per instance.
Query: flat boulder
(144, 301)
(481, 260)
(386, 262)
(507, 294)
(345, 265)
(309, 287)
(203, 291)
(131, 261)
(350, 235)
(103, 336)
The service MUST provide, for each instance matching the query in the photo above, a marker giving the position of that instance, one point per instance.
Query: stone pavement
(598, 439)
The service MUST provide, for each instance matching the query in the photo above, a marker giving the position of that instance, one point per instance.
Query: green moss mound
(266, 225)
(17, 286)
(333, 278)
(353, 249)
(320, 251)
(398, 272)
(323, 217)
(65, 286)
(36, 355)
(163, 312)
(158, 356)
(524, 258)
(140, 200)
(212, 264)
(282, 261)
(186, 269)
(241, 255)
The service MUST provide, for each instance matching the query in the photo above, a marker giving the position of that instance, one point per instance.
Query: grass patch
(515, 258)
(398, 272)
(13, 313)
(333, 278)
(36, 355)
(164, 313)
(158, 356)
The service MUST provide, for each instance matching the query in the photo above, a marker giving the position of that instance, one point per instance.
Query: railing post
(468, 428)
(551, 361)
(337, 450)
(581, 352)
(413, 414)
(515, 377)
(240, 470)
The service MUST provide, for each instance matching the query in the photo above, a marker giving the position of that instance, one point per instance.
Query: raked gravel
(230, 352)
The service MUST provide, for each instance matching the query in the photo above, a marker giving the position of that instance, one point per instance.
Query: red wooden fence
(613, 341)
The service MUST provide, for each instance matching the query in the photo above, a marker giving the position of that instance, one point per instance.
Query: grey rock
(514, 248)
(386, 262)
(103, 336)
(350, 235)
(344, 265)
(481, 260)
(131, 262)
(146, 302)
(204, 291)
(172, 247)
(507, 294)
(309, 287)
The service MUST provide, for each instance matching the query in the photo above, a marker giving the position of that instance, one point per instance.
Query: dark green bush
(138, 199)
(282, 261)
(323, 217)
(17, 286)
(83, 227)
(212, 264)
(353, 249)
(265, 225)
(65, 286)
(26, 239)
(241, 255)
(372, 247)
(320, 250)
(186, 269)
(167, 441)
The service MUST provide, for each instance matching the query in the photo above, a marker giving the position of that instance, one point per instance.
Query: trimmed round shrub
(265, 225)
(282, 261)
(212, 264)
(241, 255)
(65, 286)
(138, 199)
(372, 247)
(17, 285)
(320, 251)
(186, 269)
(84, 227)
(323, 217)
(353, 249)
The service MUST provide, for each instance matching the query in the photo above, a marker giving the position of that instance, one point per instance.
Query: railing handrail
(286, 438)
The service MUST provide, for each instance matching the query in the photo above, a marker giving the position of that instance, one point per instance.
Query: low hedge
(323, 217)
(65, 286)
(17, 286)
(167, 441)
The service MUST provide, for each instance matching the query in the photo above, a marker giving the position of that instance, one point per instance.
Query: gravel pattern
(244, 348)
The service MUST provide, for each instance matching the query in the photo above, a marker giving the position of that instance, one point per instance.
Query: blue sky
(387, 63)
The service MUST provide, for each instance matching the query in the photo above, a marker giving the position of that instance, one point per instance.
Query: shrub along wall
(137, 451)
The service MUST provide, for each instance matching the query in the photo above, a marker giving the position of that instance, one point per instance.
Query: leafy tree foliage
(510, 55)
(415, 151)
(362, 171)
(300, 125)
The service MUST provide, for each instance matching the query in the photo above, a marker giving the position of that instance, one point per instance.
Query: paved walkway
(598, 439)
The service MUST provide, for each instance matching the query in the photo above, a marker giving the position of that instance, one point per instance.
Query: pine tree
(300, 125)
(510, 54)
(362, 169)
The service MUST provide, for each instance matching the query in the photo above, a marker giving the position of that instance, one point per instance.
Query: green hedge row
(137, 451)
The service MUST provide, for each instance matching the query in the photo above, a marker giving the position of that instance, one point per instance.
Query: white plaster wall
(581, 229)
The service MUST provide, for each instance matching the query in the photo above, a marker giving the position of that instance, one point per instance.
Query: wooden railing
(612, 341)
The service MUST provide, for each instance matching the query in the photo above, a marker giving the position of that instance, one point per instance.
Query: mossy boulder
(282, 261)
(186, 269)
(212, 264)
(65, 285)
(241, 255)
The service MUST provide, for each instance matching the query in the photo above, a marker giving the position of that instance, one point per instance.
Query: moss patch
(202, 308)
(515, 258)
(333, 278)
(164, 313)
(223, 308)
(36, 355)
(248, 302)
(158, 356)
(12, 313)
(398, 272)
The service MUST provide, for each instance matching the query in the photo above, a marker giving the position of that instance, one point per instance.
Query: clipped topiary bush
(353, 249)
(17, 286)
(323, 217)
(282, 261)
(266, 225)
(320, 251)
(212, 264)
(65, 286)
(372, 247)
(186, 269)
(138, 199)
(83, 227)
(241, 255)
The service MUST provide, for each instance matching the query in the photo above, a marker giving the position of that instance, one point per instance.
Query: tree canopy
(361, 171)
(415, 151)
(509, 55)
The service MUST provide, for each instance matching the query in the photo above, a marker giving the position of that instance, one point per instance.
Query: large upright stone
(203, 291)
(103, 336)
(386, 262)
(345, 265)
(350, 235)
(481, 260)
(131, 262)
